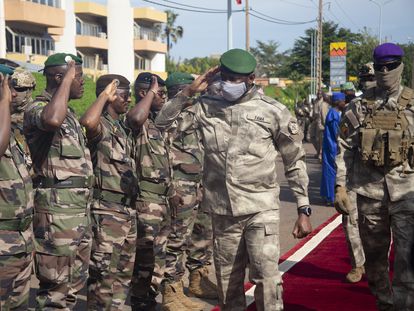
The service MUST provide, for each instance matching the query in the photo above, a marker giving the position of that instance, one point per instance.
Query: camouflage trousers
(378, 221)
(112, 258)
(63, 247)
(200, 246)
(353, 240)
(15, 274)
(316, 136)
(248, 240)
(153, 228)
(184, 230)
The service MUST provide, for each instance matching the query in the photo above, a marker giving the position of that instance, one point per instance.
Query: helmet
(23, 78)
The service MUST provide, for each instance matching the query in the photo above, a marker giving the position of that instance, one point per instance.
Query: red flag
(239, 1)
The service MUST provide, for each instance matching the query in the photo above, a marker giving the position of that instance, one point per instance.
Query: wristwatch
(305, 210)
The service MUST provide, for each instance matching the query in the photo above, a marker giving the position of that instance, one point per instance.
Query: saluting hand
(200, 84)
(5, 92)
(71, 70)
(110, 90)
(154, 85)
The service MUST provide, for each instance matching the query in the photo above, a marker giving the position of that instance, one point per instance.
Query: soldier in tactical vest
(24, 84)
(113, 210)
(377, 163)
(16, 208)
(243, 132)
(154, 181)
(63, 177)
(187, 163)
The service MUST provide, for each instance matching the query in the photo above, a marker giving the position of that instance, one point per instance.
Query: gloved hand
(342, 203)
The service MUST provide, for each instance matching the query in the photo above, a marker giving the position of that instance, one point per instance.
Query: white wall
(158, 62)
(66, 44)
(2, 31)
(120, 38)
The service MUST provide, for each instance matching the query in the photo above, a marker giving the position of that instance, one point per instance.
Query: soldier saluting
(63, 178)
(16, 208)
(243, 132)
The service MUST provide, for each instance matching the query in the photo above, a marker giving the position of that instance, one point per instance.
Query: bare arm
(5, 101)
(91, 118)
(137, 116)
(54, 113)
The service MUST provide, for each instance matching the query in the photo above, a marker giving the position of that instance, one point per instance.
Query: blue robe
(329, 152)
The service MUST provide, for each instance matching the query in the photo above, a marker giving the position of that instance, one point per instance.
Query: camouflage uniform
(113, 216)
(22, 79)
(187, 161)
(353, 240)
(63, 177)
(200, 245)
(241, 143)
(385, 203)
(16, 233)
(153, 213)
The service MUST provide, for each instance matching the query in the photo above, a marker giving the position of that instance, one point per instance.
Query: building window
(28, 43)
(147, 33)
(89, 29)
(52, 3)
(141, 63)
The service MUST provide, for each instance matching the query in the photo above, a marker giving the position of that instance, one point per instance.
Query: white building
(115, 38)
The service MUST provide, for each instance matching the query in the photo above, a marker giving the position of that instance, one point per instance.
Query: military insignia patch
(293, 127)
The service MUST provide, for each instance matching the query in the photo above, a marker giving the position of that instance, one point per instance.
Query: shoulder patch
(293, 127)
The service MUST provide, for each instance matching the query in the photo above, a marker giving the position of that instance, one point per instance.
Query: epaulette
(272, 102)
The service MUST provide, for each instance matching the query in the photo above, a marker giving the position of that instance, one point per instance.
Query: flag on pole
(239, 1)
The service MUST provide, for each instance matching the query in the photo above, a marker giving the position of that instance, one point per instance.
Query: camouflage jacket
(113, 162)
(185, 147)
(242, 141)
(152, 159)
(16, 200)
(60, 156)
(364, 178)
(17, 122)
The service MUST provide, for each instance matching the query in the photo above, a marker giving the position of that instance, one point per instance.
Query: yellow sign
(337, 49)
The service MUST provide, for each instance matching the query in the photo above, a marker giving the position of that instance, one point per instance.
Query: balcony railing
(52, 3)
(145, 33)
(89, 29)
(28, 43)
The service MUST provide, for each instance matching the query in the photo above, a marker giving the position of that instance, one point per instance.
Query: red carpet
(317, 282)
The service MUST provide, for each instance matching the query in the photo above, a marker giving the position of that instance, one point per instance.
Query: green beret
(178, 78)
(238, 61)
(348, 86)
(60, 59)
(6, 70)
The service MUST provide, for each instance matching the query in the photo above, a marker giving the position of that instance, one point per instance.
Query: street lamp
(380, 5)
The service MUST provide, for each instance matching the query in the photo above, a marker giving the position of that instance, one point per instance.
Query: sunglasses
(386, 67)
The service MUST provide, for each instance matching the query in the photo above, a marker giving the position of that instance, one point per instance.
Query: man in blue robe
(330, 147)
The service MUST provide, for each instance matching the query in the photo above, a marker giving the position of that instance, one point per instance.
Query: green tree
(172, 32)
(196, 65)
(269, 60)
(301, 51)
(408, 64)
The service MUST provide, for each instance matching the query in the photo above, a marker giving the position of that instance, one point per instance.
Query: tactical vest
(385, 139)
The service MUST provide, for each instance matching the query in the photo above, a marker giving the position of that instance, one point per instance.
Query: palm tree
(171, 32)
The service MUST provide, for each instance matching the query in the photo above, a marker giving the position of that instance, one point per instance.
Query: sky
(205, 34)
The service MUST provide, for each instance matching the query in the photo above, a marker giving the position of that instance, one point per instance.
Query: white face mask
(233, 91)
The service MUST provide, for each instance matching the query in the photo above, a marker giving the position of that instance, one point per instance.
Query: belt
(156, 188)
(111, 197)
(20, 224)
(71, 182)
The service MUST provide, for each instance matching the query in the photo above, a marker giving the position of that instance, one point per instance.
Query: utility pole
(319, 50)
(229, 26)
(312, 82)
(247, 27)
